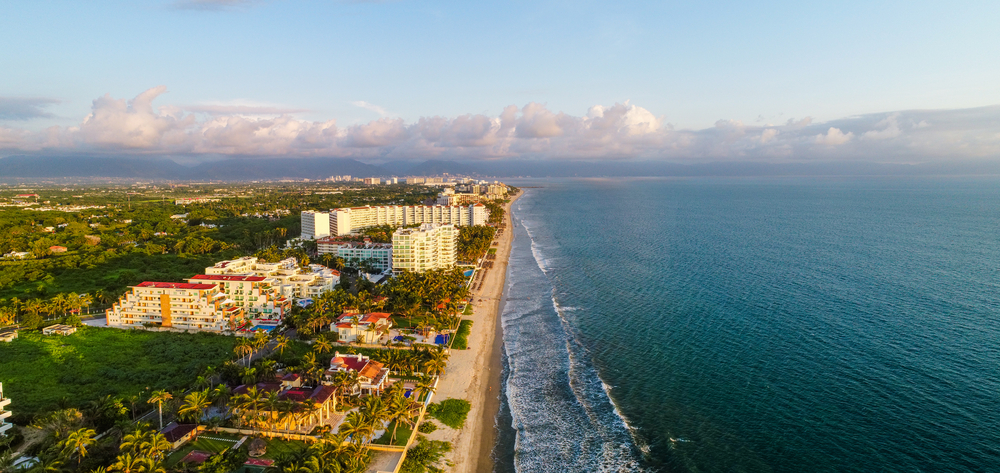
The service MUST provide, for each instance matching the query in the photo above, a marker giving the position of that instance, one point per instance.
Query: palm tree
(357, 427)
(322, 345)
(281, 342)
(398, 410)
(131, 463)
(78, 441)
(194, 406)
(159, 397)
(243, 349)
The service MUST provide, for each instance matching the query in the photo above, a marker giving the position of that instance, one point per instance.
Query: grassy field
(462, 335)
(451, 412)
(207, 442)
(402, 435)
(41, 372)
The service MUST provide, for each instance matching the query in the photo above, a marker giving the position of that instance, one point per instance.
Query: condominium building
(432, 246)
(315, 224)
(372, 181)
(184, 306)
(343, 221)
(4, 413)
(253, 293)
(378, 255)
(285, 276)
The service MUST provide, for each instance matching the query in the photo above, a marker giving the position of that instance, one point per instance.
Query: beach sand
(474, 374)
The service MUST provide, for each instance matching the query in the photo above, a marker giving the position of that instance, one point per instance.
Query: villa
(365, 328)
(311, 405)
(371, 374)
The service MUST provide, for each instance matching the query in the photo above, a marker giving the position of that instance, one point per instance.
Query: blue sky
(696, 67)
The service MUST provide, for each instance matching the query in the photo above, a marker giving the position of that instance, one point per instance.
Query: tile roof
(175, 285)
(217, 277)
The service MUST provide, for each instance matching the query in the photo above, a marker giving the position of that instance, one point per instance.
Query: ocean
(753, 325)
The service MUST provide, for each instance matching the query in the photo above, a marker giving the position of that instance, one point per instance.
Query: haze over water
(779, 325)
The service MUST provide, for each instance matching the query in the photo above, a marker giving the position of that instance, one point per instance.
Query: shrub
(424, 456)
(427, 427)
(451, 412)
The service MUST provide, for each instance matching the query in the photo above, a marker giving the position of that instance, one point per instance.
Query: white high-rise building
(378, 255)
(315, 225)
(432, 246)
(178, 305)
(343, 221)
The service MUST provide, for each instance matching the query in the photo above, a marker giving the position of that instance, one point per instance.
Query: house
(313, 405)
(59, 329)
(367, 328)
(179, 434)
(371, 374)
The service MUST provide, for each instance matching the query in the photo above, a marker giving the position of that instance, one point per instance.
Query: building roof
(219, 277)
(371, 369)
(175, 432)
(374, 317)
(175, 285)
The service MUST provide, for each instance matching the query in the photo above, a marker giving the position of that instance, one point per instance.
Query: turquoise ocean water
(783, 325)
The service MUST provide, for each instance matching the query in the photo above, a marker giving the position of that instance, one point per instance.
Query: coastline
(474, 374)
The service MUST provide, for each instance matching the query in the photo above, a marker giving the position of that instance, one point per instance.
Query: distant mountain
(437, 168)
(245, 169)
(398, 168)
(234, 169)
(84, 166)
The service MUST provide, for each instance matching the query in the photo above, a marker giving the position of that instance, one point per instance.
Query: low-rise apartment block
(4, 413)
(254, 294)
(183, 306)
(378, 255)
(285, 276)
(431, 246)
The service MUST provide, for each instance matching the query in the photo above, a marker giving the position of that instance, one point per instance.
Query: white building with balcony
(429, 247)
(5, 426)
(182, 306)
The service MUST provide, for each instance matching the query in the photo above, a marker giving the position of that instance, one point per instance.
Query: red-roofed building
(371, 374)
(367, 328)
(253, 293)
(185, 306)
(313, 404)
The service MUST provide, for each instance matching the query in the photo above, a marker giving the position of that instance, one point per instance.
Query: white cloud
(375, 108)
(25, 108)
(834, 137)
(618, 131)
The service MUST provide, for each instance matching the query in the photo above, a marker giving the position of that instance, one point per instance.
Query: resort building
(371, 374)
(311, 406)
(253, 293)
(367, 328)
(315, 225)
(378, 255)
(4, 413)
(286, 277)
(183, 306)
(343, 221)
(428, 247)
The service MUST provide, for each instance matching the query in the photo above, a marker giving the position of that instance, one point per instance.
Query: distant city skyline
(396, 80)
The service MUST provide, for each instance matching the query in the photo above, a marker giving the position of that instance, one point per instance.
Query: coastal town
(248, 328)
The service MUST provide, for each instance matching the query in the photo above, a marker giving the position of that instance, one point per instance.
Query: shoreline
(474, 374)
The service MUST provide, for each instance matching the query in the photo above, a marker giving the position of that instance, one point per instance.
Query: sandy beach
(474, 374)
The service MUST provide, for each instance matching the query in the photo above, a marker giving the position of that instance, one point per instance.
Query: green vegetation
(474, 241)
(462, 336)
(47, 372)
(403, 433)
(451, 412)
(207, 442)
(425, 456)
(427, 427)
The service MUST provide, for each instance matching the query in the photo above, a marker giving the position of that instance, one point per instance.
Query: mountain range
(250, 169)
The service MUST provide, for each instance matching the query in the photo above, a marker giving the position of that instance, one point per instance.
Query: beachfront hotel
(286, 277)
(379, 255)
(315, 225)
(4, 413)
(431, 246)
(343, 221)
(253, 293)
(183, 306)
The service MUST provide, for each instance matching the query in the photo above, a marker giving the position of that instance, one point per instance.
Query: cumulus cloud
(834, 137)
(25, 108)
(532, 131)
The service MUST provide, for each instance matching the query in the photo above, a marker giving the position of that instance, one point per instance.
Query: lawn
(402, 435)
(207, 442)
(462, 335)
(468, 309)
(278, 447)
(42, 372)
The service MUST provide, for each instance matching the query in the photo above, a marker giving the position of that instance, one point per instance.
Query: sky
(386, 80)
